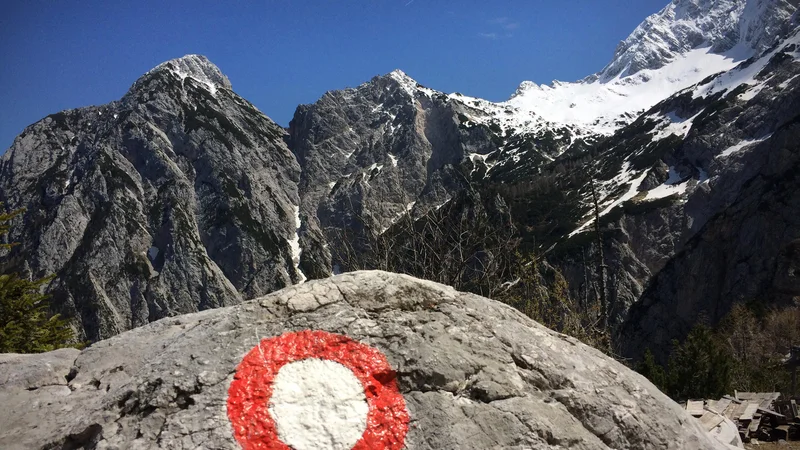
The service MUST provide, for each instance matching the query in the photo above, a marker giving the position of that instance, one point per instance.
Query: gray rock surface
(390, 147)
(475, 374)
(372, 154)
(177, 198)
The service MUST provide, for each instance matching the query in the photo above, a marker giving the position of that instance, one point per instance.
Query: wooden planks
(732, 399)
(695, 408)
(722, 405)
(770, 412)
(754, 413)
(737, 411)
(749, 411)
(709, 421)
(754, 424)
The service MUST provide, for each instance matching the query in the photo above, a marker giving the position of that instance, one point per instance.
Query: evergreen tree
(4, 228)
(701, 367)
(26, 326)
(652, 370)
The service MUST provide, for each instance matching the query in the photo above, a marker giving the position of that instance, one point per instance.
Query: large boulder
(473, 373)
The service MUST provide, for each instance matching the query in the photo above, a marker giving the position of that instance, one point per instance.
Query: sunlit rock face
(467, 373)
(179, 197)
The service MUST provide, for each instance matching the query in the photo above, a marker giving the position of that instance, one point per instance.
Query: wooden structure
(757, 415)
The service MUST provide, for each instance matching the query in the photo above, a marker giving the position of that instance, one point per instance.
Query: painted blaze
(269, 411)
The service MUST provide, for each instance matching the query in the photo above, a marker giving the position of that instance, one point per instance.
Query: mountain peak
(399, 75)
(197, 67)
(747, 26)
(406, 82)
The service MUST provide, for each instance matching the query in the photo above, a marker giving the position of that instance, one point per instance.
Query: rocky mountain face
(697, 202)
(390, 148)
(735, 228)
(468, 373)
(180, 197)
(369, 155)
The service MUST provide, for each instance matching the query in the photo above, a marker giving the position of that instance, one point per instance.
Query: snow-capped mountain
(681, 45)
(743, 83)
(196, 67)
(671, 50)
(685, 25)
(183, 196)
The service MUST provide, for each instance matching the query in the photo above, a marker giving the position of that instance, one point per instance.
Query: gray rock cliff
(391, 147)
(372, 154)
(177, 198)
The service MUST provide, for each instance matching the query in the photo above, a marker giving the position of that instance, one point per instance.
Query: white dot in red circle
(318, 404)
(313, 389)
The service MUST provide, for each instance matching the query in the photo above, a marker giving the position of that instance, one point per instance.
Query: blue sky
(278, 54)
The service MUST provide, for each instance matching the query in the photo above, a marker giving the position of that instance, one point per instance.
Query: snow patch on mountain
(746, 73)
(401, 214)
(672, 125)
(678, 47)
(673, 186)
(479, 158)
(786, 83)
(742, 145)
(627, 176)
(505, 115)
(410, 85)
(294, 245)
(602, 107)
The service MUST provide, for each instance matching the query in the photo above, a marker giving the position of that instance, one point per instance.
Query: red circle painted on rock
(251, 388)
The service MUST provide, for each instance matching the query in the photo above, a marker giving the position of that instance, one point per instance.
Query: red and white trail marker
(316, 390)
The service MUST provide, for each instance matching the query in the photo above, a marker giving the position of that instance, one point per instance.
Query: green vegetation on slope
(26, 325)
(744, 352)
